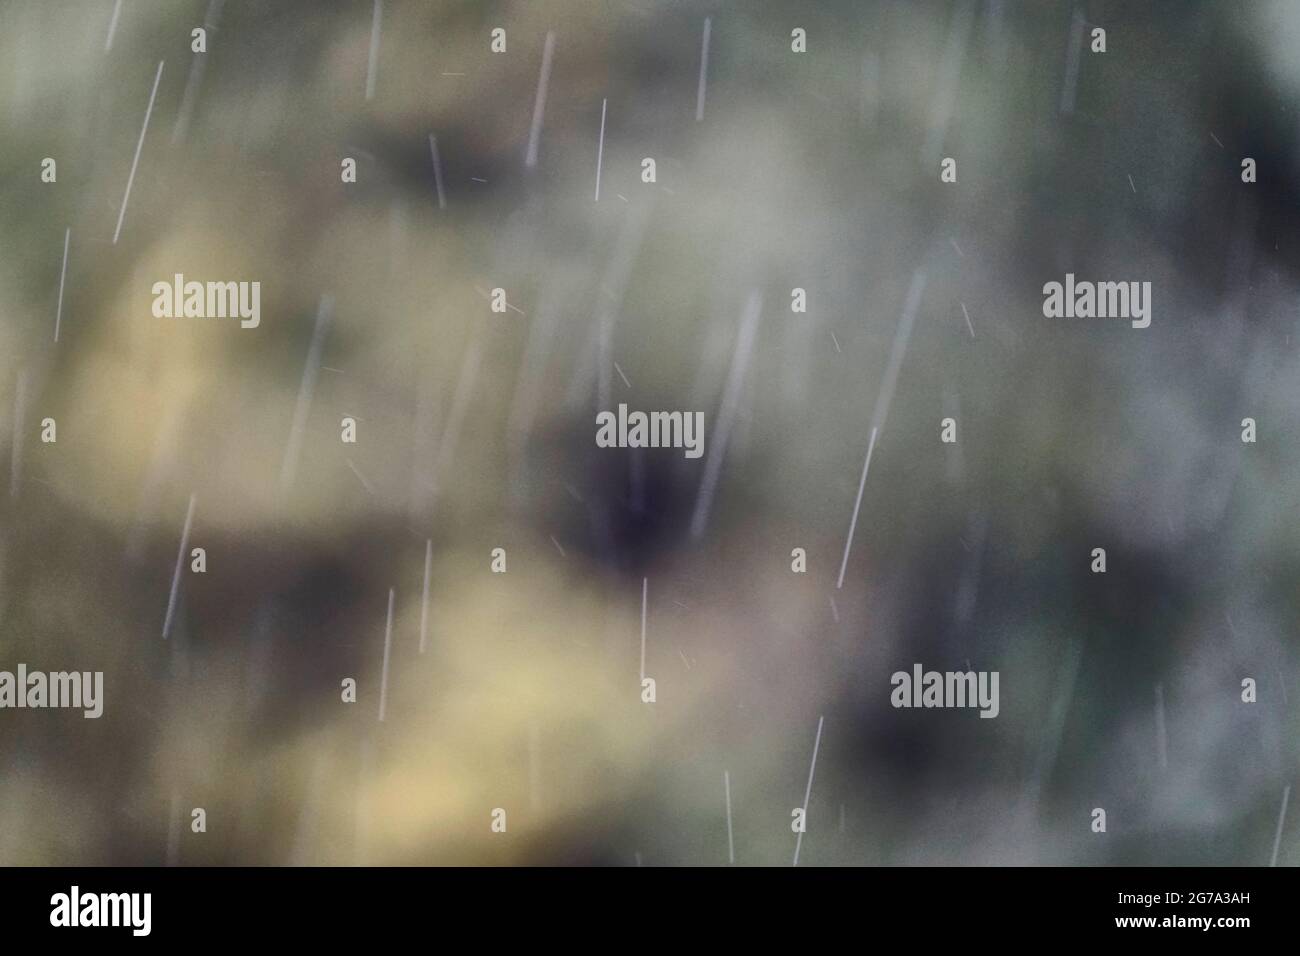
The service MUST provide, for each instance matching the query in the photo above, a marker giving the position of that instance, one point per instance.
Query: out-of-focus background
(475, 431)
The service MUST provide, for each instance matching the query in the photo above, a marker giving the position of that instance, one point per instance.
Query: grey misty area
(475, 431)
